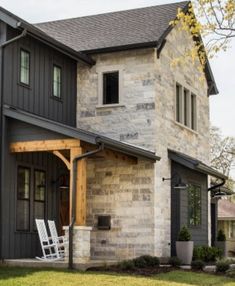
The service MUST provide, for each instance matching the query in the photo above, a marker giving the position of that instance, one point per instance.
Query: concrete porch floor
(35, 263)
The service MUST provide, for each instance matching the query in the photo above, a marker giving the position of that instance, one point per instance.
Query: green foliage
(198, 264)
(184, 234)
(146, 261)
(126, 265)
(222, 266)
(174, 261)
(230, 273)
(221, 235)
(206, 253)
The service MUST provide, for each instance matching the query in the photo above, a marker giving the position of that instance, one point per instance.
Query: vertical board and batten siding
(37, 98)
(19, 244)
(179, 205)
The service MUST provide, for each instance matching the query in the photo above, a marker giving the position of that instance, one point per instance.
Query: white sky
(222, 106)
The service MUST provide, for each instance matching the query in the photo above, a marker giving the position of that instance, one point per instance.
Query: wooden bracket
(61, 156)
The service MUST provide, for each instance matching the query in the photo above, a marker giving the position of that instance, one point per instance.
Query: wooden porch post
(81, 187)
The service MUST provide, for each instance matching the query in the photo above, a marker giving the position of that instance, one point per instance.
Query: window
(231, 229)
(186, 107)
(194, 205)
(111, 87)
(39, 193)
(23, 199)
(24, 67)
(56, 81)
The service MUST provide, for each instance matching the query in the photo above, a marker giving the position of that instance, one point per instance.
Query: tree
(214, 22)
(222, 156)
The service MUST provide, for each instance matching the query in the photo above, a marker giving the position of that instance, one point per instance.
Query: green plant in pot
(184, 246)
(221, 241)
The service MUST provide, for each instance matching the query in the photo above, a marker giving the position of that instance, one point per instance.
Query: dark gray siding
(38, 98)
(179, 205)
(17, 244)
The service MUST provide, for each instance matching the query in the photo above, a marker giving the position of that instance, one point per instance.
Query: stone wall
(124, 191)
(146, 117)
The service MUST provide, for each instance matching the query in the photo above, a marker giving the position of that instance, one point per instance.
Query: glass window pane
(193, 111)
(111, 88)
(194, 205)
(40, 185)
(186, 94)
(23, 183)
(22, 218)
(57, 81)
(24, 67)
(178, 89)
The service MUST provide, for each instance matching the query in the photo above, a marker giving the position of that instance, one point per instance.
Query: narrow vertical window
(193, 111)
(111, 88)
(23, 199)
(39, 194)
(56, 81)
(178, 105)
(186, 107)
(194, 205)
(24, 67)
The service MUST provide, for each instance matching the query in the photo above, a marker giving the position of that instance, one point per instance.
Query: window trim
(61, 83)
(22, 49)
(105, 70)
(190, 91)
(188, 219)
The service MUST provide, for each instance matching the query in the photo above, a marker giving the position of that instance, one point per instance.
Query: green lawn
(25, 277)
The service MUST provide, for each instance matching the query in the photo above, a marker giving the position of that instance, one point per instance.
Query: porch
(114, 183)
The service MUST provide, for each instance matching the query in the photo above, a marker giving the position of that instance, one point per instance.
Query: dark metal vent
(104, 222)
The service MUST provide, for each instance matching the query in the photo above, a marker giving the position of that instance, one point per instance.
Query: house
(100, 132)
(226, 222)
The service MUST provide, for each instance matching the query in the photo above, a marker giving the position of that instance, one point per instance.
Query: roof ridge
(114, 12)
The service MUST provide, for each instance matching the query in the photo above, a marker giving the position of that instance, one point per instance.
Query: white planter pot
(184, 251)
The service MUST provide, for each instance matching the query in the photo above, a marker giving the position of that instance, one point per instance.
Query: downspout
(2, 131)
(74, 192)
(217, 186)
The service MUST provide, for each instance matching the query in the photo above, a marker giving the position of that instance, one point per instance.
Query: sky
(222, 106)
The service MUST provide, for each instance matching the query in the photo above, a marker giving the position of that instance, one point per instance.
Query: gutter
(217, 186)
(74, 191)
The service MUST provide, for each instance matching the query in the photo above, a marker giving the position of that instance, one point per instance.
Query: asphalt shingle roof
(114, 29)
(226, 210)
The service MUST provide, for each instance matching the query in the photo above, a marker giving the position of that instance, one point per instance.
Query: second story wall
(38, 97)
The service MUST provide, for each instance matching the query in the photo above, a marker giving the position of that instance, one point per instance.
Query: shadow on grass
(180, 277)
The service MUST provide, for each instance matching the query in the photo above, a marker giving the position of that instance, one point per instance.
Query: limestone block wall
(146, 117)
(124, 191)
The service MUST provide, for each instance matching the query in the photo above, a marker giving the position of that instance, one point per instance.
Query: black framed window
(193, 111)
(23, 199)
(178, 103)
(39, 194)
(24, 67)
(57, 81)
(194, 205)
(111, 88)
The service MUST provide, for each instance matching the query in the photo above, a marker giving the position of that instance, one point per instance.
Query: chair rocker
(50, 249)
(60, 241)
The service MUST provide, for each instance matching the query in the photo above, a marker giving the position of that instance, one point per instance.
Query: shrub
(126, 265)
(184, 234)
(221, 236)
(222, 266)
(230, 273)
(207, 253)
(174, 261)
(198, 264)
(146, 261)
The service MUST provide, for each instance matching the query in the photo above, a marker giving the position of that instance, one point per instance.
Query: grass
(33, 277)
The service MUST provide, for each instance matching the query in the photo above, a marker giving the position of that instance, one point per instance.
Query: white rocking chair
(50, 249)
(60, 241)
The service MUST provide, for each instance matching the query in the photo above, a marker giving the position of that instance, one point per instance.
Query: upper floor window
(24, 67)
(194, 205)
(111, 87)
(186, 112)
(57, 81)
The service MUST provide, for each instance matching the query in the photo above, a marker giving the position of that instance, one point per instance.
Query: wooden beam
(80, 185)
(61, 156)
(44, 145)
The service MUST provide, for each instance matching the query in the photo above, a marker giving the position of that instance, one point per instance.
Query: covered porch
(104, 177)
